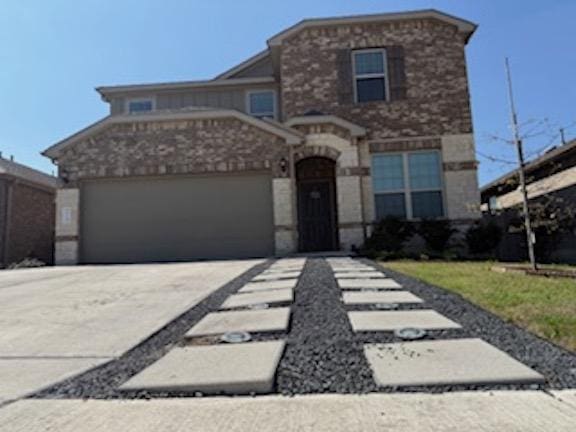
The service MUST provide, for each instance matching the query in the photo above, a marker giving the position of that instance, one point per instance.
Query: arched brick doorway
(317, 213)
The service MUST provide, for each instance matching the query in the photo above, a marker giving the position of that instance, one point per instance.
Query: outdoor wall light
(283, 165)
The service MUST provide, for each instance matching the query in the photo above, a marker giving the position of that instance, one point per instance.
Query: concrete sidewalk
(520, 411)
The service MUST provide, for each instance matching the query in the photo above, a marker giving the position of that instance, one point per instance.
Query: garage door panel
(177, 219)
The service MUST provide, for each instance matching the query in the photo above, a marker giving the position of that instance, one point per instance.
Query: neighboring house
(337, 123)
(551, 182)
(26, 213)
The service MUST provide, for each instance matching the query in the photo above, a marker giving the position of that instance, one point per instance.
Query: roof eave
(106, 91)
(531, 165)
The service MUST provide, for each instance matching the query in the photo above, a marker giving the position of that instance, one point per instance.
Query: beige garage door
(176, 219)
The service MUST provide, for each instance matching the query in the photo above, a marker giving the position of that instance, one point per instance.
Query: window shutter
(396, 72)
(344, 68)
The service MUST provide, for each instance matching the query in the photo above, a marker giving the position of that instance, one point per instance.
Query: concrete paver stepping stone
(272, 270)
(451, 362)
(231, 369)
(252, 298)
(283, 269)
(353, 270)
(359, 275)
(368, 283)
(363, 297)
(266, 320)
(392, 320)
(336, 267)
(268, 285)
(276, 276)
(290, 261)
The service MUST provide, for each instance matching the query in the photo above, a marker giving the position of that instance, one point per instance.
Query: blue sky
(53, 53)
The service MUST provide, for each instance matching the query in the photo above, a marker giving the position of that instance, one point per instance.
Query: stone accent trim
(326, 124)
(66, 253)
(67, 238)
(283, 227)
(460, 166)
(316, 151)
(353, 171)
(410, 144)
(312, 129)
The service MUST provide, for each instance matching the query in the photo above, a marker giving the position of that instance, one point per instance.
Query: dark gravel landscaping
(323, 354)
(556, 364)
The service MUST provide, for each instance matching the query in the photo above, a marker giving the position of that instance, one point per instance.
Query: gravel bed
(557, 364)
(322, 353)
(102, 382)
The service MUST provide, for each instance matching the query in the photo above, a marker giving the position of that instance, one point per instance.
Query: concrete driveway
(58, 322)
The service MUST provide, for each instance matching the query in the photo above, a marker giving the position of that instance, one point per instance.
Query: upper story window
(408, 185)
(134, 106)
(370, 76)
(262, 103)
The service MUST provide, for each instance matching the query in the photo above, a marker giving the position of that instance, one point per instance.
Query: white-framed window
(261, 103)
(408, 185)
(140, 105)
(370, 75)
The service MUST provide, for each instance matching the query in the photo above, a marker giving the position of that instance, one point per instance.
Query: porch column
(67, 226)
(284, 235)
(350, 227)
(350, 205)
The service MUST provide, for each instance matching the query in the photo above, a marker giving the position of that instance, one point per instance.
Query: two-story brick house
(337, 123)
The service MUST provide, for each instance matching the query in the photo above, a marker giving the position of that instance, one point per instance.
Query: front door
(316, 205)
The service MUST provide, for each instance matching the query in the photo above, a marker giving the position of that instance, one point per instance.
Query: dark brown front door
(316, 205)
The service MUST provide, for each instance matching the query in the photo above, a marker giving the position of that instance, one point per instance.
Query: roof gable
(259, 65)
(291, 137)
(464, 26)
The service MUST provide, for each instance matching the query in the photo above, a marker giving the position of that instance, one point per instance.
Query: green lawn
(542, 305)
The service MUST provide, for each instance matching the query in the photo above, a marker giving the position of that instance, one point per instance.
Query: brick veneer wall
(3, 217)
(437, 100)
(28, 212)
(173, 147)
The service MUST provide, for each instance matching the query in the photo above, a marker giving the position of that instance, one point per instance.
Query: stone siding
(460, 177)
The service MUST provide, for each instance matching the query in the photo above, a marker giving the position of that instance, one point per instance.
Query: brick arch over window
(316, 151)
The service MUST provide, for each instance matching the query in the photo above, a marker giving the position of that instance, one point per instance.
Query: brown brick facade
(428, 109)
(437, 101)
(173, 147)
(27, 222)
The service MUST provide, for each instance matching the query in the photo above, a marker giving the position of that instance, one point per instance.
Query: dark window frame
(356, 77)
(407, 189)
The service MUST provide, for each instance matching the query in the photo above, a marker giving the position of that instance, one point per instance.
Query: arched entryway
(317, 215)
